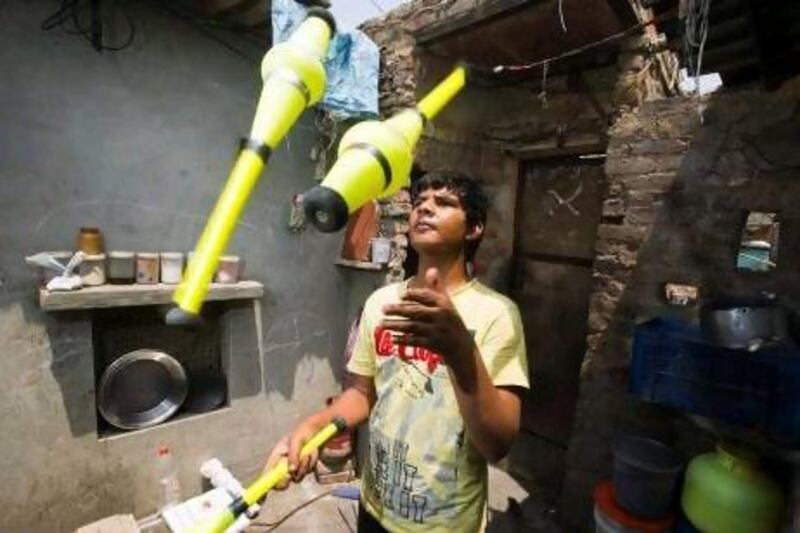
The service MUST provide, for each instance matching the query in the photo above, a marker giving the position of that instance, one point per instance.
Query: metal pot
(141, 389)
(744, 326)
(207, 391)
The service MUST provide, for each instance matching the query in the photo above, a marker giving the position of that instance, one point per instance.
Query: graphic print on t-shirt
(421, 363)
(393, 479)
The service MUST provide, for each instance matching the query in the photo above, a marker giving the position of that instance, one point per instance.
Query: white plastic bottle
(219, 476)
(169, 490)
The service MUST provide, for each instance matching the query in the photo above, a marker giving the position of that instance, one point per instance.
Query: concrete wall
(138, 142)
(682, 175)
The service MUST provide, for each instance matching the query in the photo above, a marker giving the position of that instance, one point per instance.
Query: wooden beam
(488, 11)
(106, 296)
(582, 146)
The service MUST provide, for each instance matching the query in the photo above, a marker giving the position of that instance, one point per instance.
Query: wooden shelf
(360, 265)
(131, 295)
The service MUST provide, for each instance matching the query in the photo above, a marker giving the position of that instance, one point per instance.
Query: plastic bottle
(169, 491)
(219, 476)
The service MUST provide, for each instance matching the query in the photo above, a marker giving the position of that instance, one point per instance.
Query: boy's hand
(289, 447)
(431, 321)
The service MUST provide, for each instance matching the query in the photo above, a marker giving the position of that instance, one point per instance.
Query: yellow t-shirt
(423, 474)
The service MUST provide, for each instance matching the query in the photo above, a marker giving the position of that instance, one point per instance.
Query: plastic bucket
(645, 476)
(609, 517)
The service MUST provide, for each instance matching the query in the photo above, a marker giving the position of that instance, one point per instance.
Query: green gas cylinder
(725, 492)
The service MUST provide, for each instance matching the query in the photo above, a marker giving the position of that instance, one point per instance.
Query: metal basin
(141, 389)
(744, 327)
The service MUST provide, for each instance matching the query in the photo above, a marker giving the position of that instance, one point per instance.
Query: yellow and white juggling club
(375, 158)
(294, 79)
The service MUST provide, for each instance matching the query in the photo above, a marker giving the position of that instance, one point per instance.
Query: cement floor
(512, 509)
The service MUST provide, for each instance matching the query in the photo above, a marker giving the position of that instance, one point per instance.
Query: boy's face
(438, 223)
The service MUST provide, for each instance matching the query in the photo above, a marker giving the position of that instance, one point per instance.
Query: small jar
(381, 250)
(121, 267)
(90, 241)
(171, 267)
(93, 270)
(146, 268)
(228, 270)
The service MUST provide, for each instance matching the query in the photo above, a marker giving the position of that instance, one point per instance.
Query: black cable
(60, 16)
(191, 16)
(209, 34)
(271, 526)
(115, 48)
(69, 12)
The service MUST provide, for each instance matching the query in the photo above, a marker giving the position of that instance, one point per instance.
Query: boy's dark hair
(469, 191)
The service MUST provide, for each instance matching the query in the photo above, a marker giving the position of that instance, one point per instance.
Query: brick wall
(682, 175)
(441, 149)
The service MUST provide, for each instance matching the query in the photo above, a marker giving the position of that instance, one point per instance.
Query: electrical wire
(377, 6)
(497, 69)
(208, 33)
(543, 91)
(241, 30)
(69, 12)
(271, 526)
(60, 16)
(695, 35)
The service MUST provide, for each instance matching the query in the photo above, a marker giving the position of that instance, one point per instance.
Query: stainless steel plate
(141, 389)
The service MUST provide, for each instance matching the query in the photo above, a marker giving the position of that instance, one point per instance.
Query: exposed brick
(593, 342)
(643, 125)
(645, 146)
(638, 164)
(644, 199)
(641, 216)
(657, 182)
(401, 226)
(601, 308)
(621, 233)
(613, 207)
(598, 322)
(606, 247)
(616, 264)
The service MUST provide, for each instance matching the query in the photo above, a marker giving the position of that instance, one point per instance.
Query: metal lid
(141, 389)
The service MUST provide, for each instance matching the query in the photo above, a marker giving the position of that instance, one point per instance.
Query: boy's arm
(491, 413)
(353, 405)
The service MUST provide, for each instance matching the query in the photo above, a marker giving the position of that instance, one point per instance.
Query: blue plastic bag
(352, 64)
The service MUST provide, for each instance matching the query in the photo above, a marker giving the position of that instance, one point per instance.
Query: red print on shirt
(386, 346)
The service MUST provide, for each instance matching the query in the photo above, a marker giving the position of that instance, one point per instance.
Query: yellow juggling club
(375, 158)
(293, 78)
(259, 489)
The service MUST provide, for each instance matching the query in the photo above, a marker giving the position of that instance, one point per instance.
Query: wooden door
(559, 209)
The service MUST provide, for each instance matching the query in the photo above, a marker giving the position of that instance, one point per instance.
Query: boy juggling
(438, 369)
